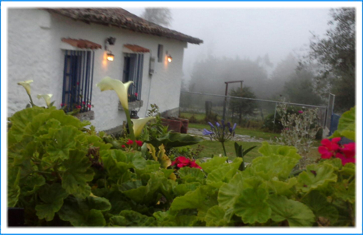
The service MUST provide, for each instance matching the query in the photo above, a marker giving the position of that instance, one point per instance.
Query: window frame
(78, 80)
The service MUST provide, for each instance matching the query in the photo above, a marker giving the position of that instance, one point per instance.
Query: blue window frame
(78, 80)
(133, 66)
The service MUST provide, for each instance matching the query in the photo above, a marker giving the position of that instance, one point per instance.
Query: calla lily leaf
(139, 124)
(46, 98)
(26, 85)
(120, 88)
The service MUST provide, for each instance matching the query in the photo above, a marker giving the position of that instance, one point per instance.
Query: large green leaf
(147, 194)
(277, 161)
(182, 189)
(77, 174)
(251, 205)
(20, 120)
(131, 218)
(51, 197)
(282, 187)
(296, 213)
(320, 206)
(13, 186)
(212, 164)
(345, 190)
(316, 176)
(32, 183)
(229, 191)
(62, 142)
(216, 217)
(202, 199)
(346, 125)
(84, 212)
(189, 175)
(224, 173)
(174, 139)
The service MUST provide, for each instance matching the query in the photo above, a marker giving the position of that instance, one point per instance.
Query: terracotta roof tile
(123, 19)
(81, 43)
(136, 48)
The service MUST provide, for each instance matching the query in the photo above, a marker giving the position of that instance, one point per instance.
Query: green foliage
(346, 126)
(173, 139)
(335, 54)
(82, 182)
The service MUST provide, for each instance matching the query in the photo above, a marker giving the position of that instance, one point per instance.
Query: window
(160, 53)
(77, 80)
(133, 66)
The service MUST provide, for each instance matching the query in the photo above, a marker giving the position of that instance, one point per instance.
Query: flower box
(172, 124)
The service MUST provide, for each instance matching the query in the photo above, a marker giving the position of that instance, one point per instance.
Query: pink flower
(83, 102)
(329, 148)
(300, 111)
(135, 93)
(123, 146)
(62, 104)
(349, 150)
(129, 142)
(78, 106)
(138, 142)
(89, 106)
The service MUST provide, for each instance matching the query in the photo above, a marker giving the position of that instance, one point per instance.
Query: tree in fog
(208, 76)
(282, 73)
(242, 107)
(299, 88)
(161, 16)
(335, 55)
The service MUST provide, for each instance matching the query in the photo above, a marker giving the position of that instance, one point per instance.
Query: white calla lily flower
(139, 124)
(46, 98)
(108, 83)
(26, 85)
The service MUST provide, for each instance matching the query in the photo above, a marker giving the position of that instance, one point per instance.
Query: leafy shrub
(62, 174)
(275, 125)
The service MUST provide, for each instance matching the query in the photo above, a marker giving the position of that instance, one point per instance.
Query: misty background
(269, 49)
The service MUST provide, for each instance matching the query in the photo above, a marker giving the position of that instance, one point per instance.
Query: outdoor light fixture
(169, 58)
(110, 56)
(110, 41)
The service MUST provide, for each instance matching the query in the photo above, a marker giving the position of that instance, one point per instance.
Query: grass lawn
(213, 148)
(241, 131)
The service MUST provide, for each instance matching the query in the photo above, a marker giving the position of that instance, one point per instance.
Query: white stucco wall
(34, 53)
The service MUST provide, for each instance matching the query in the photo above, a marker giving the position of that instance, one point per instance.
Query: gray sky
(246, 32)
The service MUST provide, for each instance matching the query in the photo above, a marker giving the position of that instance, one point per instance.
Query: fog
(275, 39)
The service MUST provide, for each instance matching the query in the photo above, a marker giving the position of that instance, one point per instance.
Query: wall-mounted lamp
(110, 41)
(110, 56)
(168, 57)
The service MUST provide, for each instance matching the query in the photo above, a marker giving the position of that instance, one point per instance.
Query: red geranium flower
(78, 107)
(129, 142)
(138, 142)
(345, 153)
(329, 148)
(194, 165)
(123, 146)
(89, 106)
(62, 104)
(182, 161)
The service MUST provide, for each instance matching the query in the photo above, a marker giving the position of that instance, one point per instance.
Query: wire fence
(247, 112)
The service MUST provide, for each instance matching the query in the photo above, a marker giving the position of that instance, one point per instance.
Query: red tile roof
(136, 48)
(81, 43)
(123, 19)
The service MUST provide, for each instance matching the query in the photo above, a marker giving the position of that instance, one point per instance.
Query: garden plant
(63, 173)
